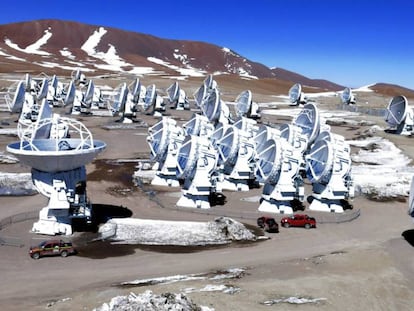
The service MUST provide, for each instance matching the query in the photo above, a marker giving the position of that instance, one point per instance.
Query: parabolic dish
(269, 160)
(135, 90)
(149, 96)
(294, 93)
(88, 97)
(396, 111)
(243, 103)
(346, 95)
(212, 106)
(49, 155)
(44, 85)
(173, 92)
(319, 161)
(18, 98)
(187, 157)
(200, 95)
(308, 120)
(228, 146)
(158, 140)
(70, 94)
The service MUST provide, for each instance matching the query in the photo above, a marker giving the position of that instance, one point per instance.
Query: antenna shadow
(408, 235)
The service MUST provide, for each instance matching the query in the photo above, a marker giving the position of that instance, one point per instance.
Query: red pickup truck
(298, 220)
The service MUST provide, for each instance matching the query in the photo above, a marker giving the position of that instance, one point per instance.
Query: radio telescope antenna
(236, 156)
(196, 162)
(164, 139)
(264, 133)
(328, 168)
(247, 125)
(58, 171)
(215, 109)
(309, 121)
(293, 135)
(177, 97)
(78, 77)
(296, 95)
(278, 167)
(82, 101)
(119, 104)
(245, 107)
(347, 97)
(43, 89)
(153, 103)
(399, 116)
(208, 85)
(198, 125)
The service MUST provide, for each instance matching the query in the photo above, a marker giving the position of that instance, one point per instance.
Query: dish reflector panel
(200, 95)
(42, 129)
(294, 93)
(269, 161)
(243, 103)
(158, 140)
(173, 92)
(228, 146)
(149, 96)
(44, 85)
(212, 106)
(319, 161)
(88, 97)
(346, 95)
(19, 98)
(135, 90)
(396, 111)
(187, 157)
(308, 120)
(70, 94)
(209, 82)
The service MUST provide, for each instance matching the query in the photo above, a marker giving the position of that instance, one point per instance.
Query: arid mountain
(59, 47)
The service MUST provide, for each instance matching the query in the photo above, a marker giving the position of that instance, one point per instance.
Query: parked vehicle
(52, 248)
(268, 224)
(298, 220)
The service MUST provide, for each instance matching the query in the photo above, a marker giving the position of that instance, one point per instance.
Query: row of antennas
(212, 152)
(298, 97)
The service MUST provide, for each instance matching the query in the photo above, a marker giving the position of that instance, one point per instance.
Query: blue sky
(352, 43)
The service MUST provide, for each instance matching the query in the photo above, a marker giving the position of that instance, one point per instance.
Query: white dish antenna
(399, 116)
(70, 94)
(18, 98)
(57, 155)
(196, 162)
(200, 95)
(347, 97)
(158, 139)
(42, 93)
(214, 109)
(135, 90)
(277, 166)
(88, 96)
(41, 128)
(209, 82)
(150, 95)
(198, 125)
(119, 98)
(173, 92)
(247, 125)
(228, 146)
(243, 103)
(309, 121)
(296, 96)
(293, 135)
(328, 167)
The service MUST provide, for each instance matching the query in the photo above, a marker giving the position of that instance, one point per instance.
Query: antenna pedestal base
(323, 205)
(164, 180)
(52, 222)
(234, 185)
(278, 207)
(193, 201)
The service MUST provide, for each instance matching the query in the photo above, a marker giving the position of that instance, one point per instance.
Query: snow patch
(16, 184)
(34, 48)
(189, 71)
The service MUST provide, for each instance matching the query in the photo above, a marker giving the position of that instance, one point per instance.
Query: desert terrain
(363, 264)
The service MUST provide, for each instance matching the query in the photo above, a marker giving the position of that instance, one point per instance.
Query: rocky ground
(362, 264)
